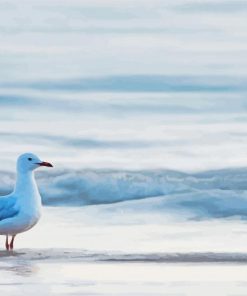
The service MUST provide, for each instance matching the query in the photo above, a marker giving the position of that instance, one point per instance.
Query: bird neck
(25, 184)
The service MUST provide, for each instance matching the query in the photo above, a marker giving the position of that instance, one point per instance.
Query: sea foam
(211, 194)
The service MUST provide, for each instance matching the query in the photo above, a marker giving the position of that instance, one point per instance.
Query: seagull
(21, 210)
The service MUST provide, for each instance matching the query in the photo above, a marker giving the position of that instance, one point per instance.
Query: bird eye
(30, 158)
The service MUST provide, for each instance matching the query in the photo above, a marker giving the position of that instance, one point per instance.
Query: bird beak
(44, 163)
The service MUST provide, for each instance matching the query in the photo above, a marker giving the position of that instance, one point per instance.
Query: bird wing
(8, 207)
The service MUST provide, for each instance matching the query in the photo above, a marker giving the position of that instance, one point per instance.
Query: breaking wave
(212, 194)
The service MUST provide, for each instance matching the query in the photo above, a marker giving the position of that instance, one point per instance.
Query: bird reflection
(19, 267)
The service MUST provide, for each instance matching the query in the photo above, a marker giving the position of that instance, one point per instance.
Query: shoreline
(79, 255)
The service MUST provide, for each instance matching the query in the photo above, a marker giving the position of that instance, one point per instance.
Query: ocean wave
(212, 194)
(139, 83)
(103, 186)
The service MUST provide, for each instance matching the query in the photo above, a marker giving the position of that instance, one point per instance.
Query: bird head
(29, 162)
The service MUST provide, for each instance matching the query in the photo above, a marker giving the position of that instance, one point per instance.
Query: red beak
(44, 163)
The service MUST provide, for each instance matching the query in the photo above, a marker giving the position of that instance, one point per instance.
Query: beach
(69, 253)
(76, 277)
(140, 106)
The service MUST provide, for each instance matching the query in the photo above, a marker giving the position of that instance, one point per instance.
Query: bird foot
(9, 246)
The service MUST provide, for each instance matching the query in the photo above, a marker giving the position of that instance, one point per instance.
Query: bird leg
(7, 242)
(11, 245)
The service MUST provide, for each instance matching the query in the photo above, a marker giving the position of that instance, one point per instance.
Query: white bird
(21, 210)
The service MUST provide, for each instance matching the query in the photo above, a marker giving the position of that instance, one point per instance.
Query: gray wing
(8, 207)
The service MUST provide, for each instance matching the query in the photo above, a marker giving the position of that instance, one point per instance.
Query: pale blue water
(141, 107)
(128, 100)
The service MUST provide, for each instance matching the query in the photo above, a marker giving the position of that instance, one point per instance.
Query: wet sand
(75, 272)
(91, 251)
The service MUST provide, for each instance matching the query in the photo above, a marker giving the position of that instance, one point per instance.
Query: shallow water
(94, 251)
(73, 278)
(118, 228)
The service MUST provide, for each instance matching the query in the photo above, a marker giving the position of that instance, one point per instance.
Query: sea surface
(141, 107)
(131, 85)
